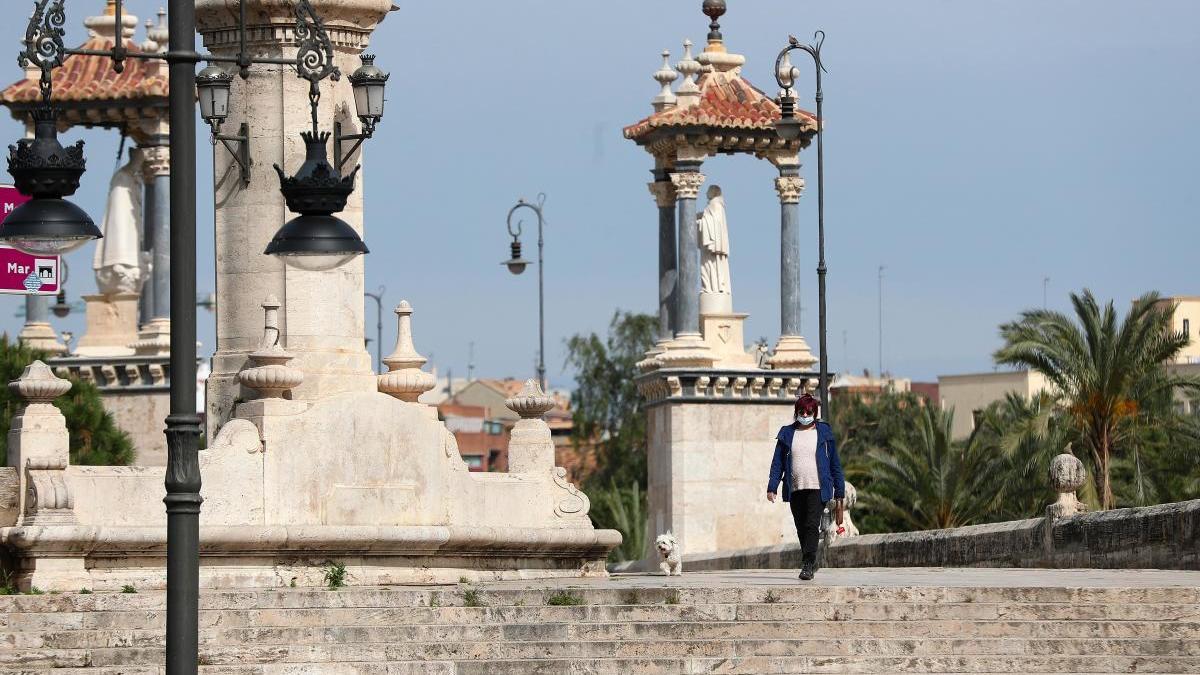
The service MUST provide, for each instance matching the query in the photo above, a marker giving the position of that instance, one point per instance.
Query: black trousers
(806, 512)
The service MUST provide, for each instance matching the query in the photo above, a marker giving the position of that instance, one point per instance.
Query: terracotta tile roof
(92, 79)
(727, 102)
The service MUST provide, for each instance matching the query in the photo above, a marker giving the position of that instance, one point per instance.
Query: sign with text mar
(21, 272)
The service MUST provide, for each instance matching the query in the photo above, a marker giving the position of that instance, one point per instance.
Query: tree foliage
(930, 481)
(606, 403)
(622, 509)
(1111, 377)
(95, 438)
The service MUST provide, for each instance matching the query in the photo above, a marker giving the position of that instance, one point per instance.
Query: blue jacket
(829, 466)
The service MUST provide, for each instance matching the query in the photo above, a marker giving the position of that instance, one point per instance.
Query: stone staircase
(737, 622)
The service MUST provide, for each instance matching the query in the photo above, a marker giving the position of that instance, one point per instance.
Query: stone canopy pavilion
(713, 408)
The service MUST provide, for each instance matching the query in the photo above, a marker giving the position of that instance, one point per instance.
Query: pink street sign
(20, 272)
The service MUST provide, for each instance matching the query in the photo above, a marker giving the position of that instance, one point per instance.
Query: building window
(474, 462)
(493, 428)
(1187, 328)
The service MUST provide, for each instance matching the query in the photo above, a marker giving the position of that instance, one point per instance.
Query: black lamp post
(790, 128)
(316, 239)
(516, 264)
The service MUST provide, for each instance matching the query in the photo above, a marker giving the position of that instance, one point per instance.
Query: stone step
(149, 619)
(752, 665)
(398, 597)
(611, 631)
(916, 647)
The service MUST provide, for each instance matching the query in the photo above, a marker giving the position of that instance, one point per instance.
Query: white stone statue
(714, 245)
(118, 262)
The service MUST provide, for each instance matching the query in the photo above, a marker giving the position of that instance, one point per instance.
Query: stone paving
(891, 577)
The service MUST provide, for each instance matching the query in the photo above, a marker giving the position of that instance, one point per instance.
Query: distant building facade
(1185, 318)
(969, 395)
(482, 424)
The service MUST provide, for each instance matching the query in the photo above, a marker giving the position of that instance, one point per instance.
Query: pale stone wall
(966, 394)
(1152, 537)
(708, 470)
(142, 416)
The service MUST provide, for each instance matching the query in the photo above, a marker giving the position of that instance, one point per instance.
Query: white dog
(671, 554)
(847, 523)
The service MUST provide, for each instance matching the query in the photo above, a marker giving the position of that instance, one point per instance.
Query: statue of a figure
(119, 264)
(714, 245)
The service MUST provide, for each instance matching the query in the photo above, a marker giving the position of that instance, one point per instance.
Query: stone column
(687, 349)
(154, 338)
(687, 180)
(323, 315)
(664, 195)
(37, 332)
(792, 351)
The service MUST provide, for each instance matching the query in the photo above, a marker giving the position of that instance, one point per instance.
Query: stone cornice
(671, 385)
(118, 375)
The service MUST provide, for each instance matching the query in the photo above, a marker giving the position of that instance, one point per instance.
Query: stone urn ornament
(405, 380)
(270, 375)
(1066, 476)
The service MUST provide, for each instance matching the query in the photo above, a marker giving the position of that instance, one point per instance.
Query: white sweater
(804, 460)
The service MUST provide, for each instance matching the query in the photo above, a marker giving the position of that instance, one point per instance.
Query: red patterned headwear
(806, 403)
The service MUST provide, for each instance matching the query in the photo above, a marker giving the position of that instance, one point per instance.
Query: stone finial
(269, 374)
(688, 92)
(531, 403)
(39, 384)
(665, 76)
(1066, 476)
(714, 10)
(405, 380)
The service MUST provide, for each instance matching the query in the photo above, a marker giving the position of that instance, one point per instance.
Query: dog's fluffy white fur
(671, 553)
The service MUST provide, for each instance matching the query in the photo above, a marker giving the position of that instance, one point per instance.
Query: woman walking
(807, 463)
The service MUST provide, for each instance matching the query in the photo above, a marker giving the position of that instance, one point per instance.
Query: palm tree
(933, 482)
(1028, 434)
(1106, 374)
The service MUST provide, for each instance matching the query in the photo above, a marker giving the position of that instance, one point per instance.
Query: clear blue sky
(972, 148)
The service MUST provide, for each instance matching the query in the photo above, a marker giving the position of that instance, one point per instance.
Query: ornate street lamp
(789, 128)
(47, 224)
(516, 264)
(42, 168)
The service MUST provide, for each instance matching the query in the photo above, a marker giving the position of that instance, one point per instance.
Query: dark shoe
(807, 572)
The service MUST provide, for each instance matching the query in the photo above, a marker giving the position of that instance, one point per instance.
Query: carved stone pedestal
(112, 325)
(711, 434)
(724, 336)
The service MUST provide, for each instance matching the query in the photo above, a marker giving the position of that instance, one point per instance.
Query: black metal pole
(541, 309)
(183, 424)
(821, 269)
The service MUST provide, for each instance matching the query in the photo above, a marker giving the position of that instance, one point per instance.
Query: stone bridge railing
(1166, 536)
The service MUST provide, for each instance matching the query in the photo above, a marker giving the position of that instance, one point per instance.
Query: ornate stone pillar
(664, 195)
(323, 311)
(154, 338)
(792, 351)
(688, 348)
(687, 180)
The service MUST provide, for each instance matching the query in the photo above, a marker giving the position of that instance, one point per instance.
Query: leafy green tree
(933, 482)
(1027, 434)
(95, 438)
(865, 424)
(1108, 374)
(622, 509)
(607, 405)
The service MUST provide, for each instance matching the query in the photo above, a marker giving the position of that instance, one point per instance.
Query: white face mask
(804, 420)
